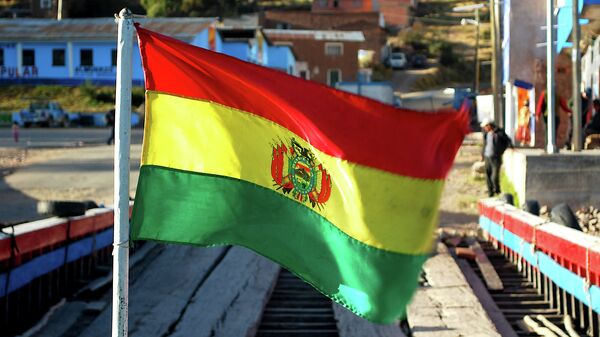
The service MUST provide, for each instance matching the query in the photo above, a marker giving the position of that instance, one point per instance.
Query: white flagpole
(121, 171)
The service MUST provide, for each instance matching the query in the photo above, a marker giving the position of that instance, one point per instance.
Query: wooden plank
(488, 303)
(231, 301)
(447, 307)
(490, 276)
(158, 296)
(350, 325)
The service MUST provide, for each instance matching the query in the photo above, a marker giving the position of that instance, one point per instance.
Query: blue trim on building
(564, 278)
(63, 81)
(44, 264)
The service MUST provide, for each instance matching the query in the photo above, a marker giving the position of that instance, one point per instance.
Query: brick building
(369, 23)
(323, 56)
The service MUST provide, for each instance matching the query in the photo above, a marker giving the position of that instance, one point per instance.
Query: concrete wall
(526, 18)
(313, 53)
(282, 58)
(240, 50)
(551, 179)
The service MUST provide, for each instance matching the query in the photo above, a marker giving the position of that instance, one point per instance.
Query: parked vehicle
(397, 60)
(44, 114)
(419, 61)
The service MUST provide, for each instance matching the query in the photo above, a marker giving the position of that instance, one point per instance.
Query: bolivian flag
(341, 190)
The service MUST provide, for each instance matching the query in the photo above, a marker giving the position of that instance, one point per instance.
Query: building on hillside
(323, 56)
(72, 51)
(395, 13)
(369, 23)
(246, 44)
(30, 8)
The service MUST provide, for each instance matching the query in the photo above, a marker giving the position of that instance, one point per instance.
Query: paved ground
(41, 137)
(403, 80)
(30, 174)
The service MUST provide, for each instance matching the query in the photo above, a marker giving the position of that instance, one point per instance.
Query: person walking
(495, 142)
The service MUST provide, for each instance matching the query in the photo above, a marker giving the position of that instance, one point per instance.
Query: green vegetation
(381, 72)
(5, 118)
(437, 32)
(84, 98)
(187, 8)
(507, 187)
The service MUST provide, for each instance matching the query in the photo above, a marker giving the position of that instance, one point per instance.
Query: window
(113, 57)
(86, 57)
(333, 76)
(45, 4)
(1, 57)
(304, 74)
(58, 57)
(334, 49)
(335, 3)
(283, 25)
(28, 57)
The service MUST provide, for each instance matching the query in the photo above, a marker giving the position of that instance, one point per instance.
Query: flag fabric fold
(341, 190)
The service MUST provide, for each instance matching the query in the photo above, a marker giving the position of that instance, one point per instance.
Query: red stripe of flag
(354, 128)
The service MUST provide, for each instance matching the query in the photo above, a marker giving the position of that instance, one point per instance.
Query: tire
(532, 206)
(563, 215)
(27, 124)
(89, 204)
(508, 198)
(61, 208)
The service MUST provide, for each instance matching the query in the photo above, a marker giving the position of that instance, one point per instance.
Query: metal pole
(499, 64)
(476, 86)
(576, 140)
(494, 61)
(121, 170)
(59, 10)
(550, 95)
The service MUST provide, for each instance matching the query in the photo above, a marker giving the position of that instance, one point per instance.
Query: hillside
(437, 31)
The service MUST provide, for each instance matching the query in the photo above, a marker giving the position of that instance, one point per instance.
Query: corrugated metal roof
(95, 29)
(325, 35)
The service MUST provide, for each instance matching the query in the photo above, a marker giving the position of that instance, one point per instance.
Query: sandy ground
(85, 173)
(458, 207)
(74, 174)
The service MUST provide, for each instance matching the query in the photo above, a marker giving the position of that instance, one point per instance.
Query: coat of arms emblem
(295, 170)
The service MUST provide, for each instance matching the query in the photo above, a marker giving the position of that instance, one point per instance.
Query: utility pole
(576, 139)
(476, 60)
(497, 72)
(59, 10)
(550, 92)
(475, 22)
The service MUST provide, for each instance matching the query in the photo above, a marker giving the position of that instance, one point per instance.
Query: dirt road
(84, 173)
(87, 174)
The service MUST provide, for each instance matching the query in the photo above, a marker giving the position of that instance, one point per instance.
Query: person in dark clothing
(495, 142)
(584, 110)
(110, 121)
(593, 127)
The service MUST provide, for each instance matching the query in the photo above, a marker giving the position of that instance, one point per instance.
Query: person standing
(110, 121)
(593, 126)
(15, 131)
(495, 142)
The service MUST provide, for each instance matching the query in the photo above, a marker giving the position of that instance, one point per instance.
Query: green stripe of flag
(208, 210)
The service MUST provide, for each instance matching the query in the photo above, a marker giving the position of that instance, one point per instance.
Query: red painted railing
(574, 250)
